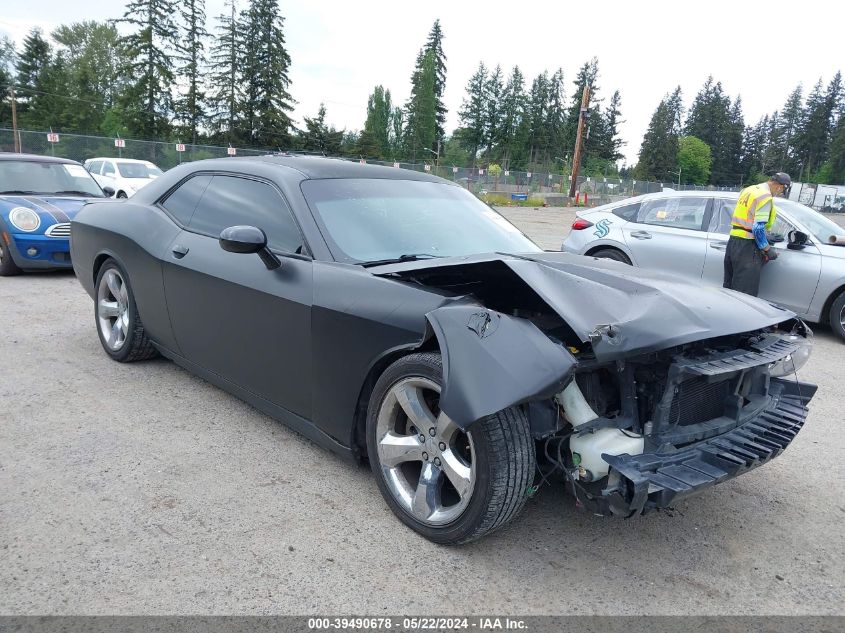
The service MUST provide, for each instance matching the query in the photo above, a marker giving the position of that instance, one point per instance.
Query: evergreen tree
(791, 122)
(434, 44)
(512, 115)
(265, 101)
(319, 137)
(421, 109)
(7, 65)
(835, 167)
(190, 108)
(378, 124)
(473, 114)
(32, 68)
(611, 143)
(556, 117)
(146, 100)
(536, 111)
(396, 127)
(753, 148)
(658, 155)
(710, 120)
(227, 54)
(814, 137)
(493, 91)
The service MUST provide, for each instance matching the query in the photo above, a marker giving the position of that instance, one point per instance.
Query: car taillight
(580, 224)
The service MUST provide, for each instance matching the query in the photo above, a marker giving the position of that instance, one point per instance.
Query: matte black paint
(304, 342)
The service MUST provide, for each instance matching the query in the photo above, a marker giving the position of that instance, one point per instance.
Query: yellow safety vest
(751, 201)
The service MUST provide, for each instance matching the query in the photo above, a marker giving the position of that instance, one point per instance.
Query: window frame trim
(705, 221)
(159, 203)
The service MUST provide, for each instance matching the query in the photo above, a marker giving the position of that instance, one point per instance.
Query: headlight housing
(24, 219)
(797, 359)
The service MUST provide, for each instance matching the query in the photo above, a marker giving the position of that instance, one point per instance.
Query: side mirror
(109, 191)
(797, 240)
(247, 240)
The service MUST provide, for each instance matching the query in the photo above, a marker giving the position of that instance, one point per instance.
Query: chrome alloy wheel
(113, 309)
(842, 317)
(426, 460)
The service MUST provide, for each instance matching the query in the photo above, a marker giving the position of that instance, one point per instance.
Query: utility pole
(579, 140)
(17, 139)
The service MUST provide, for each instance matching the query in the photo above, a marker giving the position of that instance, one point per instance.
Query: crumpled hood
(620, 309)
(51, 209)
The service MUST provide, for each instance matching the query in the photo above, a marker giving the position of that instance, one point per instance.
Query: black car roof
(36, 158)
(320, 167)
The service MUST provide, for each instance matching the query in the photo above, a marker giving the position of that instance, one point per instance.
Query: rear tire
(8, 267)
(448, 485)
(836, 316)
(116, 317)
(612, 253)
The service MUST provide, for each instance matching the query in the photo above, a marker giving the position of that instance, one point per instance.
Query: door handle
(719, 246)
(180, 251)
(641, 235)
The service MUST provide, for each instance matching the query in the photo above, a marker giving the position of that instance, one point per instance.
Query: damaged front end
(641, 389)
(645, 432)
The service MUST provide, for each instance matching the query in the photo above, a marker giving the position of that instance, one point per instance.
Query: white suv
(124, 175)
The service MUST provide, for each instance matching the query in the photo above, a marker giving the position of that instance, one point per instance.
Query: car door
(230, 314)
(668, 235)
(790, 281)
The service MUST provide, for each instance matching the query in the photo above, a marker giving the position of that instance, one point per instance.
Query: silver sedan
(687, 232)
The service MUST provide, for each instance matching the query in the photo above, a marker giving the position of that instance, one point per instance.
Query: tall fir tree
(814, 136)
(421, 110)
(7, 79)
(556, 117)
(266, 101)
(434, 44)
(611, 144)
(791, 122)
(473, 114)
(658, 156)
(537, 111)
(512, 116)
(493, 90)
(226, 91)
(587, 76)
(709, 119)
(190, 107)
(148, 62)
(33, 63)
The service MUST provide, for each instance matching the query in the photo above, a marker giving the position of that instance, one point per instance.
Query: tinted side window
(95, 167)
(108, 169)
(231, 201)
(183, 200)
(677, 213)
(628, 212)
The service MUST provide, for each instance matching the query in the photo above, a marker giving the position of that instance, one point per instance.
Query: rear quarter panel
(137, 236)
(606, 231)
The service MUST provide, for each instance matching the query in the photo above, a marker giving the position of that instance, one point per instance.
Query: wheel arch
(377, 368)
(824, 317)
(604, 247)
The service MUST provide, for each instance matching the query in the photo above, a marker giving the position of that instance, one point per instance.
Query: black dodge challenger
(391, 316)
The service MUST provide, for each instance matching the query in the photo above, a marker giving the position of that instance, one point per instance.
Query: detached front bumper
(641, 483)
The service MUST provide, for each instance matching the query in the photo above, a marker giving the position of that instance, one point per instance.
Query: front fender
(492, 361)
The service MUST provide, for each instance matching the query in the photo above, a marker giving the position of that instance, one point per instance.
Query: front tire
(448, 485)
(836, 316)
(8, 267)
(612, 253)
(119, 326)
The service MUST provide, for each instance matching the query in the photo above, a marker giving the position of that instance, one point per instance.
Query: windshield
(138, 170)
(32, 177)
(371, 219)
(820, 227)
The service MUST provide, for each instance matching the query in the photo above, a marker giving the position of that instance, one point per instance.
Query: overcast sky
(340, 49)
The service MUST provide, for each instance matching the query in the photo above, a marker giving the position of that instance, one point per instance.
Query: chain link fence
(497, 186)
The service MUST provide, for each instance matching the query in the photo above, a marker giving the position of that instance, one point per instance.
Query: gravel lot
(140, 489)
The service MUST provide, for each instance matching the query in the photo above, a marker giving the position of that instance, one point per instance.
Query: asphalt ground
(141, 489)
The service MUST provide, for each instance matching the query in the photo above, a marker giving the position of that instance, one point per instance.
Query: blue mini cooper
(39, 196)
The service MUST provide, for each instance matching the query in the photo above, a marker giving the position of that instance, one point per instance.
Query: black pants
(743, 265)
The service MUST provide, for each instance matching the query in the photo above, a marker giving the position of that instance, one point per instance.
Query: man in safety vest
(748, 249)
